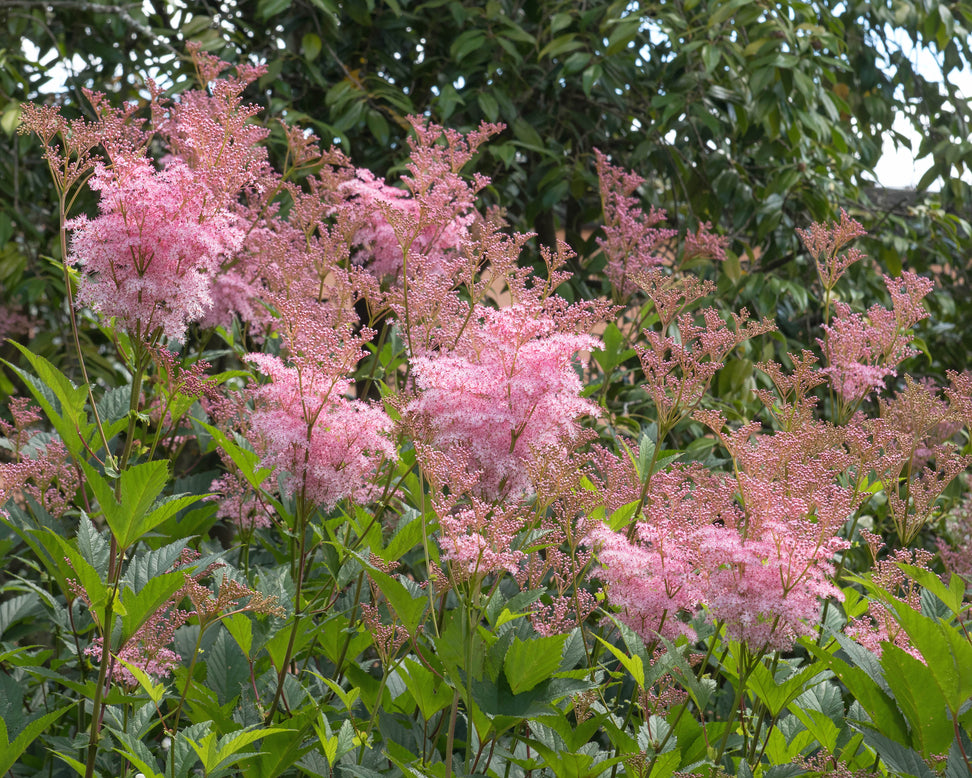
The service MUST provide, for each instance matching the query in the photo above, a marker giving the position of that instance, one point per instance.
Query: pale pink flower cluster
(862, 350)
(164, 231)
(478, 539)
(327, 444)
(507, 389)
(12, 323)
(752, 551)
(212, 131)
(41, 469)
(680, 367)
(705, 244)
(148, 649)
(432, 228)
(957, 555)
(378, 247)
(558, 562)
(237, 501)
(633, 245)
(149, 257)
(825, 242)
(305, 425)
(879, 626)
(387, 638)
(631, 241)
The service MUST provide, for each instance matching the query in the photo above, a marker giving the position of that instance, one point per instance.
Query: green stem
(185, 689)
(298, 608)
(451, 734)
(62, 204)
(96, 704)
(745, 669)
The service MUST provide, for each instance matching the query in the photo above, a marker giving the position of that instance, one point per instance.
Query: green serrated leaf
(62, 401)
(146, 565)
(919, 698)
(93, 545)
(284, 748)
(903, 760)
(776, 694)
(86, 575)
(633, 664)
(139, 606)
(946, 651)
(430, 693)
(11, 752)
(155, 691)
(244, 458)
(530, 662)
(136, 752)
(872, 698)
(410, 610)
(240, 629)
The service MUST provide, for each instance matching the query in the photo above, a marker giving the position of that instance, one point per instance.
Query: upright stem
(97, 704)
(745, 668)
(451, 734)
(62, 203)
(99, 690)
(185, 689)
(298, 608)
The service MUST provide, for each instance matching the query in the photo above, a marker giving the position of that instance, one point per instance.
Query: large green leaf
(10, 752)
(776, 693)
(873, 699)
(530, 662)
(903, 760)
(283, 748)
(139, 606)
(62, 401)
(919, 698)
(946, 651)
(410, 610)
(137, 509)
(430, 693)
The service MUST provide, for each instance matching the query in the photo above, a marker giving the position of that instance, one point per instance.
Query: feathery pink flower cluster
(41, 469)
(956, 555)
(12, 323)
(753, 551)
(705, 244)
(211, 129)
(507, 389)
(237, 501)
(824, 242)
(679, 368)
(863, 350)
(632, 240)
(478, 538)
(879, 626)
(632, 244)
(656, 578)
(378, 246)
(918, 462)
(304, 423)
(149, 648)
(147, 260)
